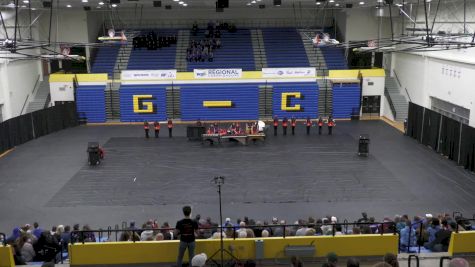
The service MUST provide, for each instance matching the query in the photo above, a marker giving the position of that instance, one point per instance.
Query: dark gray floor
(48, 180)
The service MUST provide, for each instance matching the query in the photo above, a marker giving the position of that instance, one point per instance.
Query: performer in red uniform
(293, 123)
(308, 124)
(170, 127)
(320, 125)
(156, 126)
(146, 128)
(330, 123)
(285, 123)
(276, 124)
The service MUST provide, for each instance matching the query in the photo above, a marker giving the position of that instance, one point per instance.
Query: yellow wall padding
(166, 251)
(6, 256)
(462, 242)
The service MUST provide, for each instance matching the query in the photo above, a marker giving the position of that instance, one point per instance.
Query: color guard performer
(146, 128)
(276, 124)
(170, 127)
(285, 123)
(308, 124)
(156, 126)
(331, 124)
(320, 125)
(293, 123)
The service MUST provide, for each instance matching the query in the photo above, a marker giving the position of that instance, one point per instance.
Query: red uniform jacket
(170, 124)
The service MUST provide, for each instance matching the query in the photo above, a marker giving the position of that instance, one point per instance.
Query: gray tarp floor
(48, 180)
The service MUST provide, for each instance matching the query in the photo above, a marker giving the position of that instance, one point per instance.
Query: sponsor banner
(148, 75)
(217, 73)
(288, 72)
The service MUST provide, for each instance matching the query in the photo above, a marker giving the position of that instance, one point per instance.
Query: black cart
(363, 146)
(93, 153)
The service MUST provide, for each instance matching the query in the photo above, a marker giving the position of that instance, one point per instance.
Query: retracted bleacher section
(154, 94)
(307, 101)
(162, 58)
(284, 48)
(105, 59)
(346, 98)
(90, 102)
(244, 101)
(235, 52)
(334, 58)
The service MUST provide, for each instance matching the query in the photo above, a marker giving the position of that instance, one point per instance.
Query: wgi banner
(217, 73)
(148, 74)
(288, 72)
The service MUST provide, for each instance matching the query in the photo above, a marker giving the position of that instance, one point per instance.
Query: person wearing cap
(332, 259)
(186, 229)
(199, 260)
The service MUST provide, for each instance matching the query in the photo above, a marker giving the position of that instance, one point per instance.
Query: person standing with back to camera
(186, 229)
(146, 128)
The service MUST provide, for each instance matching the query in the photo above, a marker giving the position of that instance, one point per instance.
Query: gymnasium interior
(298, 132)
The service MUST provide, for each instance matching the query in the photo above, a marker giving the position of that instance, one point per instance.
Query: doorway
(371, 105)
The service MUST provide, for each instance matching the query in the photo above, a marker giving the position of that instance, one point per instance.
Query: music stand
(219, 181)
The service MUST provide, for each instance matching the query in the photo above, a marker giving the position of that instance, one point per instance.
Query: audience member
(332, 259)
(295, 262)
(458, 262)
(391, 259)
(186, 230)
(352, 262)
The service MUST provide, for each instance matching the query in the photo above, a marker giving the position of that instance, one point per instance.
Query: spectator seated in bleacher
(153, 42)
(194, 29)
(201, 51)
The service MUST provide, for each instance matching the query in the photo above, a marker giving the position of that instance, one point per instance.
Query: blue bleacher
(105, 59)
(334, 58)
(346, 97)
(235, 52)
(284, 48)
(244, 97)
(90, 101)
(162, 58)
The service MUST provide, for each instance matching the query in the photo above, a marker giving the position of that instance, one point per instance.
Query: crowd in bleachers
(202, 50)
(31, 242)
(152, 41)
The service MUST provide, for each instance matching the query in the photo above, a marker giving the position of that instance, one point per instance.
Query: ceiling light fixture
(337, 4)
(361, 3)
(68, 6)
(181, 2)
(185, 4)
(25, 1)
(331, 1)
(253, 1)
(84, 1)
(318, 3)
(114, 5)
(101, 3)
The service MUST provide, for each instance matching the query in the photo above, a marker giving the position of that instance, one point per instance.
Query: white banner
(288, 72)
(148, 74)
(217, 73)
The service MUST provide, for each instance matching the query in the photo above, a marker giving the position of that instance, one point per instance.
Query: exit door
(371, 105)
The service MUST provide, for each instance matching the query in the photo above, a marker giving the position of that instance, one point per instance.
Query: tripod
(219, 181)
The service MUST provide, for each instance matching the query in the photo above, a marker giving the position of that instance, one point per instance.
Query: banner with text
(217, 73)
(148, 75)
(288, 72)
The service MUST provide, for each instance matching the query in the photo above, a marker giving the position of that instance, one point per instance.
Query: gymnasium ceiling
(131, 4)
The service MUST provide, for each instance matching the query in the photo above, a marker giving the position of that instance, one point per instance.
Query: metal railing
(409, 260)
(390, 101)
(133, 234)
(400, 85)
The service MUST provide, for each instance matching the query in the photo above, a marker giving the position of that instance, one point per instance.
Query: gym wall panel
(299, 100)
(244, 101)
(149, 103)
(346, 98)
(90, 101)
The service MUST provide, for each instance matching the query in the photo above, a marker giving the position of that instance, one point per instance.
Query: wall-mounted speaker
(389, 2)
(87, 8)
(157, 3)
(277, 2)
(222, 3)
(115, 1)
(46, 4)
(262, 6)
(168, 7)
(349, 5)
